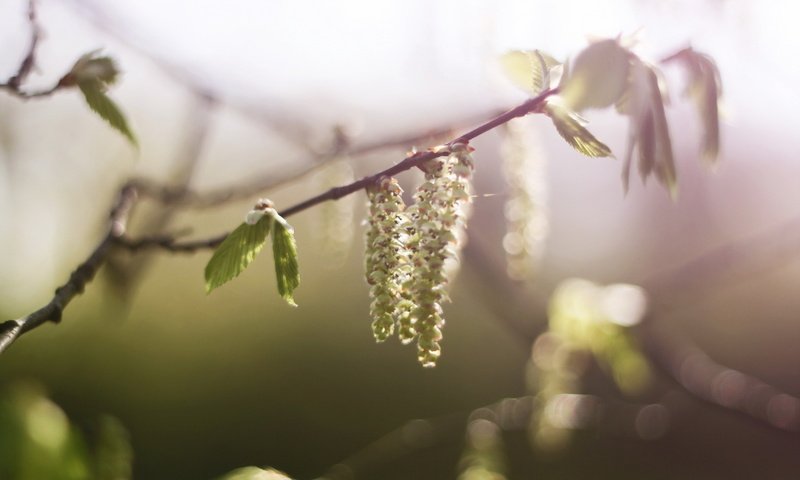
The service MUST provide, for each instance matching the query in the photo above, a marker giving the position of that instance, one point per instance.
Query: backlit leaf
(569, 127)
(599, 76)
(529, 69)
(287, 271)
(236, 252)
(93, 92)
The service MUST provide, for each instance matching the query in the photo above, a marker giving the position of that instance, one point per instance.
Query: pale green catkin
(438, 213)
(385, 255)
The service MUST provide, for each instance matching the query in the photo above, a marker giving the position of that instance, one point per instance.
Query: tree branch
(10, 330)
(29, 62)
(531, 105)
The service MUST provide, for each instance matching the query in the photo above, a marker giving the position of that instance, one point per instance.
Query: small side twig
(10, 330)
(29, 61)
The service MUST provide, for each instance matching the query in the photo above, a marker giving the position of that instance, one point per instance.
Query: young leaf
(236, 252)
(93, 92)
(529, 69)
(569, 127)
(599, 76)
(284, 250)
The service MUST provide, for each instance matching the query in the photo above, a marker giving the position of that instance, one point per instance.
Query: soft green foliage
(585, 321)
(38, 442)
(599, 76)
(569, 126)
(236, 252)
(284, 249)
(254, 473)
(534, 71)
(595, 319)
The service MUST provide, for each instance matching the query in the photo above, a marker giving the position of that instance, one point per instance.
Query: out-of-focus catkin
(335, 232)
(526, 207)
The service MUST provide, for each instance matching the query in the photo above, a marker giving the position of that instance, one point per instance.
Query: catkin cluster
(412, 253)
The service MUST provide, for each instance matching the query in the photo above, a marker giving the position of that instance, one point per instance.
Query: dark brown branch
(29, 61)
(10, 330)
(14, 84)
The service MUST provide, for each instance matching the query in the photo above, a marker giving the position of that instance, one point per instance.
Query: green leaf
(254, 473)
(236, 252)
(93, 92)
(284, 249)
(599, 76)
(529, 69)
(569, 127)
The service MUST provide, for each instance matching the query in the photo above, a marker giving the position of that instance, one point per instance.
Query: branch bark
(10, 330)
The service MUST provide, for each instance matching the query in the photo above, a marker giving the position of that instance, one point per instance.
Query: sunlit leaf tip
(529, 70)
(569, 126)
(102, 105)
(284, 248)
(236, 252)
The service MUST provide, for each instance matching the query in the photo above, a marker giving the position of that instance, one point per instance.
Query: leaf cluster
(242, 245)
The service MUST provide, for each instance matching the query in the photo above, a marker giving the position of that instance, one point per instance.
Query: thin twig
(14, 84)
(417, 159)
(10, 330)
(534, 104)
